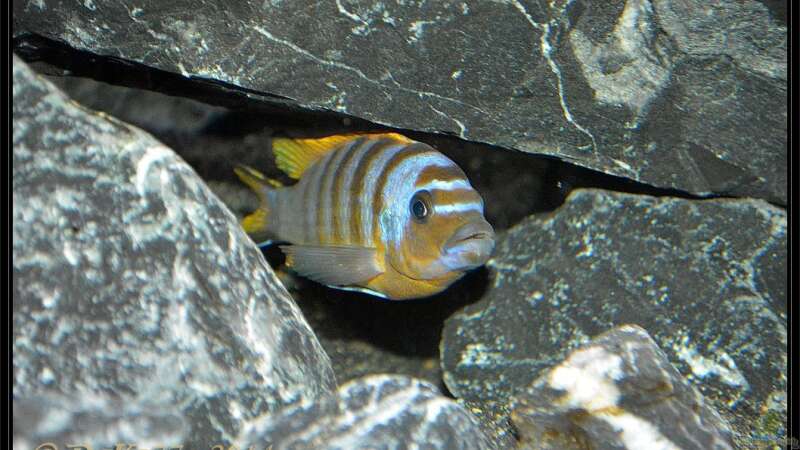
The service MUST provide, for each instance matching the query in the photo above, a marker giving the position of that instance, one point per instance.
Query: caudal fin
(257, 222)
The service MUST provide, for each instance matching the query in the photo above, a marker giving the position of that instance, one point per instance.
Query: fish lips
(470, 246)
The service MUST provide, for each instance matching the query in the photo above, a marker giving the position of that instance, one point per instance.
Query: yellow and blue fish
(377, 213)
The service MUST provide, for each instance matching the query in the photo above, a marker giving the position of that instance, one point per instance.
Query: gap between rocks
(251, 112)
(360, 334)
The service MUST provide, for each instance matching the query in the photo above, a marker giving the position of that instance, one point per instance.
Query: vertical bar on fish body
(357, 190)
(327, 209)
(338, 201)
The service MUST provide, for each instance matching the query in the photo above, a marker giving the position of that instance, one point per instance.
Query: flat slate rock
(617, 392)
(688, 95)
(375, 412)
(132, 279)
(706, 279)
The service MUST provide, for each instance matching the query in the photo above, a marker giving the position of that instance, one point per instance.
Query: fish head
(444, 233)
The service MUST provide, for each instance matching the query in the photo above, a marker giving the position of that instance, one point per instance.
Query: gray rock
(619, 391)
(688, 95)
(132, 279)
(374, 412)
(154, 112)
(707, 279)
(93, 421)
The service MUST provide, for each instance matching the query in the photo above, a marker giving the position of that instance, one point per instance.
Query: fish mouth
(470, 246)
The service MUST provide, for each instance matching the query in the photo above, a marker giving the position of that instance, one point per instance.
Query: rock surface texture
(375, 412)
(619, 390)
(673, 94)
(94, 420)
(706, 279)
(131, 279)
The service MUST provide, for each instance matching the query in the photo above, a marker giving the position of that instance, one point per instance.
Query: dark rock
(154, 112)
(94, 420)
(618, 391)
(375, 412)
(687, 95)
(132, 279)
(363, 336)
(201, 134)
(707, 279)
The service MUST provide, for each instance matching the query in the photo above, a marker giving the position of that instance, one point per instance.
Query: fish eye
(420, 206)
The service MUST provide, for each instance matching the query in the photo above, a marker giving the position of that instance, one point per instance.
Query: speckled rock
(375, 412)
(689, 95)
(95, 420)
(621, 392)
(132, 279)
(706, 279)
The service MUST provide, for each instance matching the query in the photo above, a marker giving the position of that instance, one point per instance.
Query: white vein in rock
(351, 16)
(546, 52)
(354, 70)
(462, 128)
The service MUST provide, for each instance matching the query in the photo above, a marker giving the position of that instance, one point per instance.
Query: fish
(373, 212)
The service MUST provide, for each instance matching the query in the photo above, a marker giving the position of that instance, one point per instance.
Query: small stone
(619, 391)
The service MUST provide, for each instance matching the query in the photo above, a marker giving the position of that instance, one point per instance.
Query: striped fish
(378, 213)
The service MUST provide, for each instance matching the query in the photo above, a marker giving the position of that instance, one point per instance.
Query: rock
(375, 412)
(706, 279)
(133, 280)
(154, 112)
(93, 420)
(619, 391)
(687, 95)
(199, 133)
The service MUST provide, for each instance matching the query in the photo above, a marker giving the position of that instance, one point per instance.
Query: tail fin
(256, 223)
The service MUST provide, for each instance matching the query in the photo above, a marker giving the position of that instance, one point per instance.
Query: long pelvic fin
(295, 156)
(257, 221)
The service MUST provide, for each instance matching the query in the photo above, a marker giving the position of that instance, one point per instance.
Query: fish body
(379, 213)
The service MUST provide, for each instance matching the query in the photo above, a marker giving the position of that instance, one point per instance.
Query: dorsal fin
(294, 156)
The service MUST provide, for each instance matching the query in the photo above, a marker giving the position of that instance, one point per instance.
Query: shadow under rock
(366, 334)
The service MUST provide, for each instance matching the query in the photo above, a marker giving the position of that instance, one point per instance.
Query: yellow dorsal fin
(294, 156)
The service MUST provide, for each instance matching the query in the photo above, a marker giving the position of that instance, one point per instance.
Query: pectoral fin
(333, 265)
